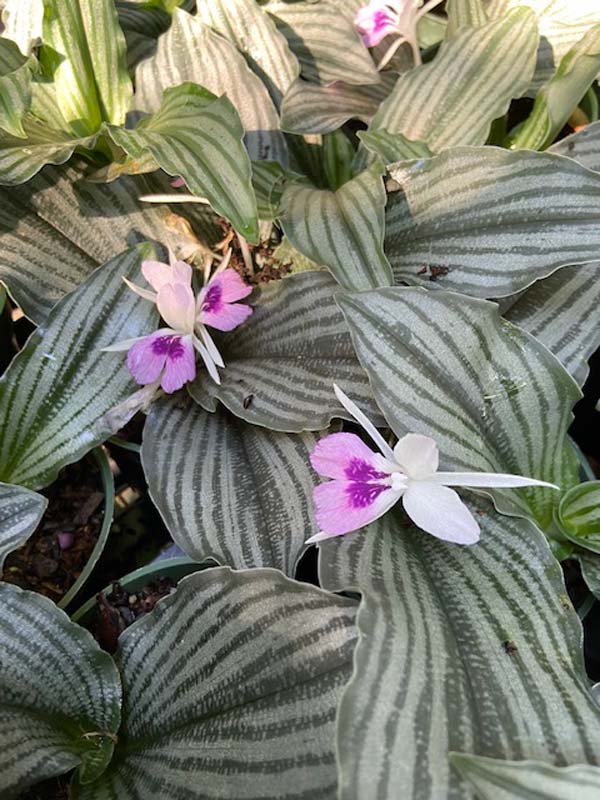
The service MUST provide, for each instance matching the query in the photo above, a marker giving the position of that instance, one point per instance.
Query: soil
(52, 559)
(266, 266)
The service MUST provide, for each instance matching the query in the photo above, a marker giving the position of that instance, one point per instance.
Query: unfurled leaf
(470, 83)
(583, 146)
(230, 687)
(325, 42)
(561, 311)
(20, 513)
(393, 147)
(22, 20)
(254, 33)
(338, 154)
(198, 136)
(60, 695)
(488, 222)
(310, 108)
(15, 87)
(191, 51)
(450, 367)
(464, 14)
(59, 388)
(268, 178)
(457, 652)
(342, 230)
(495, 779)
(84, 52)
(579, 515)
(282, 362)
(229, 490)
(559, 97)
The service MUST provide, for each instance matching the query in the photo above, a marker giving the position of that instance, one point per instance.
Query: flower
(376, 21)
(365, 484)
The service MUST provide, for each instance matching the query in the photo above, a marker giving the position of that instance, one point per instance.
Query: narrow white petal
(173, 198)
(208, 362)
(126, 343)
(440, 511)
(145, 293)
(321, 537)
(492, 480)
(362, 420)
(211, 346)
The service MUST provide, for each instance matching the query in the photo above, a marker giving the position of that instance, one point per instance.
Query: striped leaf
(342, 230)
(282, 362)
(230, 691)
(199, 137)
(56, 230)
(268, 178)
(310, 108)
(393, 147)
(338, 154)
(15, 92)
(254, 33)
(141, 27)
(325, 42)
(229, 490)
(191, 51)
(464, 14)
(583, 146)
(60, 695)
(579, 515)
(495, 779)
(58, 390)
(20, 513)
(22, 20)
(488, 222)
(449, 366)
(457, 651)
(562, 23)
(590, 570)
(561, 311)
(560, 96)
(470, 83)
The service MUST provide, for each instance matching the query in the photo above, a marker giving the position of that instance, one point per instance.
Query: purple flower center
(212, 298)
(168, 346)
(360, 470)
(364, 494)
(381, 19)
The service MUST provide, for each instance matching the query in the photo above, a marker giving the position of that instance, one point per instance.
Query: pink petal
(343, 506)
(440, 511)
(374, 22)
(228, 317)
(233, 286)
(158, 274)
(146, 358)
(177, 183)
(346, 456)
(180, 364)
(176, 305)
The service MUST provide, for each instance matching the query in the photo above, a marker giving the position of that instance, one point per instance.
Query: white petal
(176, 305)
(211, 346)
(208, 362)
(440, 512)
(125, 344)
(493, 480)
(418, 455)
(145, 293)
(321, 537)
(362, 420)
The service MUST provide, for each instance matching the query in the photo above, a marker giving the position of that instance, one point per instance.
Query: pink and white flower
(365, 484)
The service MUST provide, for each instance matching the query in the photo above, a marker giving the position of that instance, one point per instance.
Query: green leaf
(59, 389)
(561, 311)
(590, 570)
(457, 651)
(579, 515)
(268, 178)
(229, 490)
(254, 33)
(492, 397)
(495, 779)
(15, 92)
(58, 228)
(230, 689)
(325, 42)
(488, 222)
(464, 14)
(560, 96)
(282, 363)
(141, 27)
(309, 108)
(199, 137)
(191, 51)
(22, 21)
(393, 147)
(84, 50)
(470, 83)
(60, 694)
(583, 146)
(20, 513)
(342, 230)
(338, 154)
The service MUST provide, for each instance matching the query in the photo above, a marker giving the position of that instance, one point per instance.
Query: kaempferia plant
(296, 216)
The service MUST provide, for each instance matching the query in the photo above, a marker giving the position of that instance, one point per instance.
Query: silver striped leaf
(590, 570)
(84, 50)
(338, 154)
(255, 34)
(583, 146)
(561, 311)
(495, 779)
(464, 14)
(198, 136)
(20, 512)
(493, 398)
(15, 87)
(457, 652)
(393, 147)
(280, 365)
(58, 228)
(141, 27)
(470, 83)
(579, 515)
(230, 692)
(59, 389)
(229, 490)
(559, 97)
(191, 51)
(325, 42)
(488, 222)
(310, 108)
(60, 695)
(342, 230)
(22, 21)
(268, 178)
